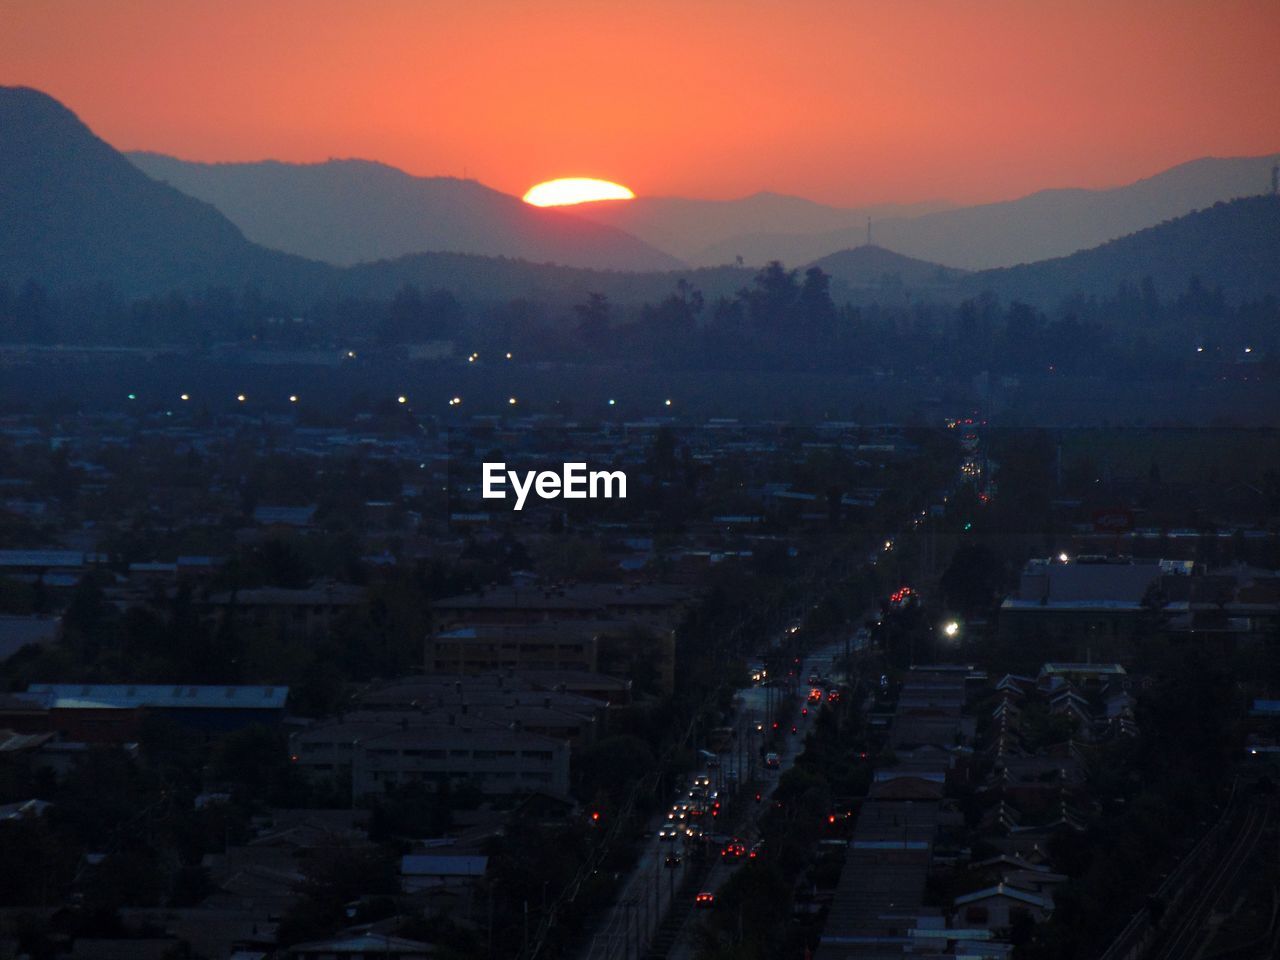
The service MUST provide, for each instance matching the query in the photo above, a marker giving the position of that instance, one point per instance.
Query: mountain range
(1050, 223)
(77, 213)
(352, 211)
(708, 232)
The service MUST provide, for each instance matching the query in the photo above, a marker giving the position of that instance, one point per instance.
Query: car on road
(735, 849)
(672, 861)
(772, 761)
(668, 833)
(706, 900)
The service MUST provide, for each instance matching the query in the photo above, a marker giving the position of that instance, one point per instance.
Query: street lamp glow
(402, 399)
(1063, 558)
(668, 402)
(612, 401)
(240, 397)
(508, 354)
(293, 398)
(951, 628)
(511, 400)
(185, 396)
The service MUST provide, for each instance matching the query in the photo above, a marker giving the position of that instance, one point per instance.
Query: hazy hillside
(352, 211)
(1234, 245)
(76, 212)
(1049, 223)
(707, 232)
(875, 271)
(497, 279)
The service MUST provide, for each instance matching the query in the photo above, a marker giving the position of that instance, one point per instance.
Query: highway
(820, 662)
(646, 895)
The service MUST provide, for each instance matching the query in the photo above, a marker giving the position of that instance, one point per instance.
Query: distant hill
(1054, 223)
(76, 213)
(1049, 223)
(711, 232)
(879, 272)
(352, 211)
(1234, 245)
(498, 279)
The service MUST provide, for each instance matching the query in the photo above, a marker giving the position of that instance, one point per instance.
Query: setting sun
(557, 193)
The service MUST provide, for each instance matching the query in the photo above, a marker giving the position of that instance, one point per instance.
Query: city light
(951, 628)
(240, 397)
(402, 399)
(612, 402)
(293, 398)
(668, 402)
(511, 400)
(185, 396)
(1063, 558)
(455, 401)
(133, 396)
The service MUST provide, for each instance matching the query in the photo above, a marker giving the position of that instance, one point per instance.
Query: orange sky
(844, 101)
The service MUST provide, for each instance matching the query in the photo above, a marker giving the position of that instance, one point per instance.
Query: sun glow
(558, 193)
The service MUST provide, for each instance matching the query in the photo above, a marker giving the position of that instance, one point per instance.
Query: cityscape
(415, 560)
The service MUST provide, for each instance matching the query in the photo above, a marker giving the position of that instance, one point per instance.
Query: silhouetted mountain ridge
(353, 211)
(77, 213)
(1042, 225)
(873, 268)
(1233, 245)
(707, 232)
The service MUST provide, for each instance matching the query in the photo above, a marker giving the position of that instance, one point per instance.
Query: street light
(951, 629)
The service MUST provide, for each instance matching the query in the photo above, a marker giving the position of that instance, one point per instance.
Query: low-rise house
(378, 753)
(996, 908)
(428, 872)
(113, 712)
